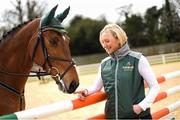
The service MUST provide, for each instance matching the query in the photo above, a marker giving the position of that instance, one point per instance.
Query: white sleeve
(148, 75)
(98, 84)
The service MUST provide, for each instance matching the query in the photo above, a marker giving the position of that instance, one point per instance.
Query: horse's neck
(14, 52)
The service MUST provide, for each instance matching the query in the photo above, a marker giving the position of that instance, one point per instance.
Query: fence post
(163, 59)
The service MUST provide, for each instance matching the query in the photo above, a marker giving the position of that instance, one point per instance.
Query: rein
(25, 75)
(14, 91)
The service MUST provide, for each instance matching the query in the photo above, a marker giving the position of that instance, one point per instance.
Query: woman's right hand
(82, 94)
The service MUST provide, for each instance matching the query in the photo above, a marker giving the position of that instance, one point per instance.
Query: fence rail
(164, 58)
(156, 59)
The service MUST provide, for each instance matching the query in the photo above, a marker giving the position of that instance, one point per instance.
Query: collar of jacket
(121, 53)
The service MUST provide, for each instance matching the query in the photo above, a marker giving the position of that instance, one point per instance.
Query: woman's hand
(82, 94)
(137, 109)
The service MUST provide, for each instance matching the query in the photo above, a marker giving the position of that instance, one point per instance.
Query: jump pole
(161, 95)
(69, 105)
(157, 115)
(60, 107)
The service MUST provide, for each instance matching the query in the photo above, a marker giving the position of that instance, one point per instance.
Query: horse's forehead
(63, 35)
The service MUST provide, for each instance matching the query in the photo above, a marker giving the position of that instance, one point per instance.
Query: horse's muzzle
(72, 87)
(62, 86)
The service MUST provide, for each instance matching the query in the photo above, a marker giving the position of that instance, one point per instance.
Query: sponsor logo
(128, 67)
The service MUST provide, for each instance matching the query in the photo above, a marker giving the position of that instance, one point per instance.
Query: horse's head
(50, 49)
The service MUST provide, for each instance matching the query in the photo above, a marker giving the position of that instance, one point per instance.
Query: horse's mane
(13, 30)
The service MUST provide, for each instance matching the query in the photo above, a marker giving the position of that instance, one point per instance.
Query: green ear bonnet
(48, 21)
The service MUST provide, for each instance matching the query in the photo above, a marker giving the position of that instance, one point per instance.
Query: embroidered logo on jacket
(128, 67)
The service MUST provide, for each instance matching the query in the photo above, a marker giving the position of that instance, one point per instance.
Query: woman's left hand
(137, 109)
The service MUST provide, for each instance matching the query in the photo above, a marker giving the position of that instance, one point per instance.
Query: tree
(20, 13)
(84, 34)
(157, 26)
(124, 11)
(34, 9)
(170, 21)
(152, 21)
(135, 30)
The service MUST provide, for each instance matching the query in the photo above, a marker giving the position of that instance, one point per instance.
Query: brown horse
(44, 42)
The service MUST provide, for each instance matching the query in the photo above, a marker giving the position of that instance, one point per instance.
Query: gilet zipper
(116, 92)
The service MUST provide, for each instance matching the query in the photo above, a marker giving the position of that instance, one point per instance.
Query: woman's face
(109, 42)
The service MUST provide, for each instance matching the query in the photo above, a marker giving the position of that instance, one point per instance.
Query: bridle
(48, 58)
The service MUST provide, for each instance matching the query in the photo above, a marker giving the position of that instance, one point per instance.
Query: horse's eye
(53, 42)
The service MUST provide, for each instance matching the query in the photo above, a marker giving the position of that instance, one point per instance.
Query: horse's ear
(45, 20)
(63, 15)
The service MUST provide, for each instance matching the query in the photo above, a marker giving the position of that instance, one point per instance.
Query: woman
(122, 75)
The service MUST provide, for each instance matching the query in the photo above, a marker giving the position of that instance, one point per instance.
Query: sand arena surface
(42, 94)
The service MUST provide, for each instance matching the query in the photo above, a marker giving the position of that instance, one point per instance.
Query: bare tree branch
(22, 12)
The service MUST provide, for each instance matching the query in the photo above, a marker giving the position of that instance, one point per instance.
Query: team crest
(128, 67)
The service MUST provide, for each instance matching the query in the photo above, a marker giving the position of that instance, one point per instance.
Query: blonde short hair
(116, 31)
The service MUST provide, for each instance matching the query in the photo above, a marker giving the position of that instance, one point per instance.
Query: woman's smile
(109, 42)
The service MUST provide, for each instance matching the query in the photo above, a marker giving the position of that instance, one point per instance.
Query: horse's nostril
(73, 86)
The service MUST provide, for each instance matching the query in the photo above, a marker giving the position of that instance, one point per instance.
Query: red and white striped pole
(165, 111)
(55, 108)
(162, 78)
(159, 97)
(157, 115)
(69, 105)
